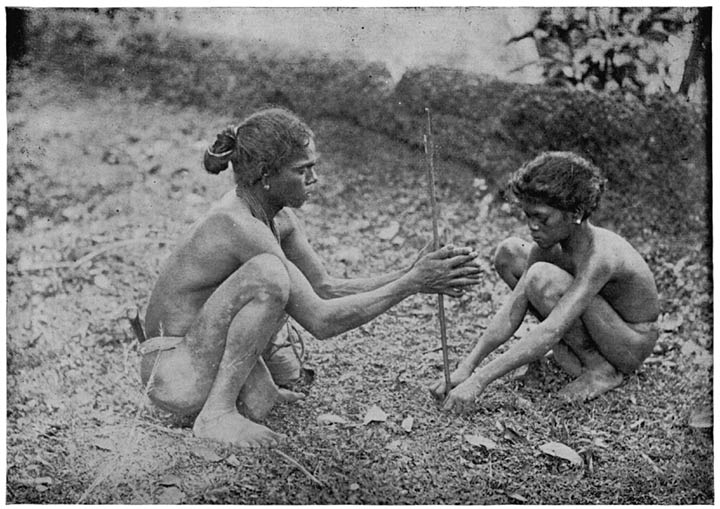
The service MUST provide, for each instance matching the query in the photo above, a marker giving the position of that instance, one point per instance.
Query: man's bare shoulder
(229, 229)
(616, 253)
(610, 244)
(286, 221)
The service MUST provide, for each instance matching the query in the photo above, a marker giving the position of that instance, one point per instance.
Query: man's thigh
(175, 379)
(624, 345)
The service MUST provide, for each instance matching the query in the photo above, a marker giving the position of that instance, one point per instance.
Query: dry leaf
(670, 323)
(561, 451)
(171, 496)
(170, 480)
(701, 418)
(354, 486)
(233, 461)
(516, 496)
(331, 419)
(480, 441)
(206, 454)
(407, 424)
(375, 414)
(389, 231)
(102, 281)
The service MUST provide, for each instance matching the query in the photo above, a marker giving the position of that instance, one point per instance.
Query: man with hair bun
(231, 283)
(593, 293)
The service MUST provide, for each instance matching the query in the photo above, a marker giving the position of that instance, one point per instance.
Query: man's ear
(578, 216)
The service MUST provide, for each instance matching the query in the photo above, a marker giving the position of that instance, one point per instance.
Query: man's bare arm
(438, 272)
(591, 278)
(298, 250)
(501, 328)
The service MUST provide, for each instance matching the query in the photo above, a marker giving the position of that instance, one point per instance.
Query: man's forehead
(309, 157)
(536, 207)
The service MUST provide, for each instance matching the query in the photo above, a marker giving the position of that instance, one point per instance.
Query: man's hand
(464, 397)
(461, 373)
(447, 270)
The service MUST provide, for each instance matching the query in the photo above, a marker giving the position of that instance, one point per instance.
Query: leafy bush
(629, 48)
(454, 92)
(651, 152)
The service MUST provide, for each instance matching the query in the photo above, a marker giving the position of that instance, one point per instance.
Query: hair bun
(217, 156)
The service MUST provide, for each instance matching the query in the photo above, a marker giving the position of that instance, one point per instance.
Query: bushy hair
(260, 144)
(562, 180)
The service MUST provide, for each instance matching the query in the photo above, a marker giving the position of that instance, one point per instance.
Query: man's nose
(310, 176)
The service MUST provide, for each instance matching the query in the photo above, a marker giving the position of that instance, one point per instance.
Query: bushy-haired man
(593, 292)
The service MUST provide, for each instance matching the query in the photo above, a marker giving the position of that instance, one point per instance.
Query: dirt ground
(101, 185)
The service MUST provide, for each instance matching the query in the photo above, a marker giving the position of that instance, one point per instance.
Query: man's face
(548, 225)
(289, 186)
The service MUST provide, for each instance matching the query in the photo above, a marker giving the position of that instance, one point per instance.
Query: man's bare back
(200, 263)
(630, 289)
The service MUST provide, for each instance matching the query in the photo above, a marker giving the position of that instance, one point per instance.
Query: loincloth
(644, 327)
(280, 358)
(160, 343)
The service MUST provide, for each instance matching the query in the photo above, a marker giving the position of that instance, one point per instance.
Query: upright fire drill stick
(429, 155)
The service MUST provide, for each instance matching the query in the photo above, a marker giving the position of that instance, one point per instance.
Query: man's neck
(579, 238)
(257, 198)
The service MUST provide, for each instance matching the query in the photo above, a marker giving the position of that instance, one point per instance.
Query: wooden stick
(430, 154)
(299, 466)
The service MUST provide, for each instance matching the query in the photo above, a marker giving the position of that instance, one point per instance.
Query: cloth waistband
(160, 343)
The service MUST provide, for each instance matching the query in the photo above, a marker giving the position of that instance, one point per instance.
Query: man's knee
(511, 256)
(268, 272)
(545, 284)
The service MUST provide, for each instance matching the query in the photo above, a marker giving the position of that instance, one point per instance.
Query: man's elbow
(324, 328)
(327, 289)
(324, 290)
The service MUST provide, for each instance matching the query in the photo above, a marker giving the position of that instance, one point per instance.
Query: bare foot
(461, 373)
(288, 396)
(463, 397)
(531, 372)
(566, 359)
(235, 429)
(591, 384)
(258, 398)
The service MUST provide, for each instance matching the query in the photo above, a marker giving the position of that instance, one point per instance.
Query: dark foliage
(652, 151)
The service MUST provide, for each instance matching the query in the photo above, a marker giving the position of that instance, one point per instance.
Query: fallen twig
(91, 255)
(299, 466)
(165, 429)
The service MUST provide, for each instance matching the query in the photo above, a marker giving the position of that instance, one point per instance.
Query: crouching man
(230, 284)
(593, 292)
